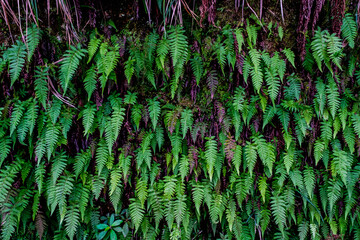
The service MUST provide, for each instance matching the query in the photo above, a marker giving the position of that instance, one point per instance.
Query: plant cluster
(215, 139)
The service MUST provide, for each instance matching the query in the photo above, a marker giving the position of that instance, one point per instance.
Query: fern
(129, 69)
(349, 29)
(16, 58)
(273, 84)
(5, 143)
(197, 66)
(137, 212)
(69, 65)
(290, 56)
(88, 117)
(333, 97)
(356, 123)
(262, 187)
(309, 180)
(186, 121)
(212, 81)
(210, 155)
(250, 156)
(16, 116)
(93, 47)
(239, 99)
(33, 35)
(154, 110)
(178, 45)
(180, 209)
(90, 81)
(72, 220)
(256, 73)
(278, 207)
(41, 85)
(102, 155)
(341, 164)
(58, 166)
(198, 196)
(82, 160)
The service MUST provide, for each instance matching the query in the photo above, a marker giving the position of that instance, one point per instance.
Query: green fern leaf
(88, 114)
(82, 161)
(141, 191)
(33, 35)
(290, 56)
(90, 81)
(186, 121)
(154, 111)
(356, 123)
(72, 220)
(69, 65)
(262, 187)
(309, 180)
(41, 85)
(333, 97)
(178, 45)
(197, 66)
(129, 68)
(278, 209)
(250, 156)
(58, 166)
(349, 29)
(16, 116)
(102, 155)
(137, 213)
(210, 155)
(93, 47)
(16, 56)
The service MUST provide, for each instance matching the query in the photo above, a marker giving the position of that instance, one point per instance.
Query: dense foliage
(212, 137)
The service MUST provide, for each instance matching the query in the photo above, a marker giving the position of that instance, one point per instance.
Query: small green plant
(111, 227)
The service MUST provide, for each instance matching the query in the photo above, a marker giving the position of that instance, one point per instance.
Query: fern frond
(58, 166)
(129, 68)
(16, 116)
(198, 195)
(290, 55)
(273, 83)
(239, 98)
(33, 35)
(137, 212)
(72, 220)
(90, 81)
(88, 114)
(278, 210)
(41, 85)
(69, 65)
(180, 209)
(102, 155)
(16, 56)
(93, 47)
(210, 155)
(82, 160)
(212, 82)
(197, 66)
(178, 45)
(186, 121)
(250, 156)
(356, 123)
(349, 29)
(309, 180)
(333, 97)
(154, 111)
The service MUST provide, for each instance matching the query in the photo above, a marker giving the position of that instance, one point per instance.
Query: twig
(255, 15)
(58, 95)
(282, 10)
